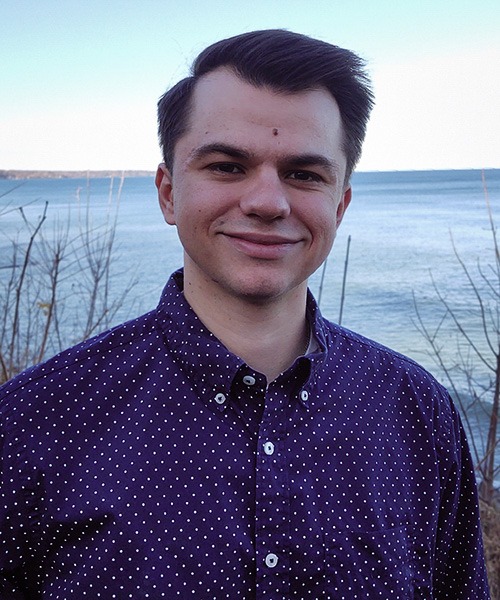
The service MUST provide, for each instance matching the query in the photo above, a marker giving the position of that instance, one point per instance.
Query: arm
(459, 568)
(17, 516)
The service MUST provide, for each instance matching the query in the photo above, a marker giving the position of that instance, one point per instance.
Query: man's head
(285, 62)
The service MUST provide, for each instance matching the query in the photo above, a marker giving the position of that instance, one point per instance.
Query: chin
(261, 290)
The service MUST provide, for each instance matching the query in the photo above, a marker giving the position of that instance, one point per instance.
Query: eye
(305, 176)
(226, 168)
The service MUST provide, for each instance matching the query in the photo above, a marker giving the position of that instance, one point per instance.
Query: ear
(343, 204)
(163, 181)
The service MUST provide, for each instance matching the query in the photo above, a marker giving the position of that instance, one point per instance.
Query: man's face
(257, 188)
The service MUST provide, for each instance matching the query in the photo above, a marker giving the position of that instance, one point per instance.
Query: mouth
(263, 246)
(265, 239)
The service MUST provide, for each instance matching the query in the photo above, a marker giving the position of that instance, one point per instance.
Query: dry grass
(490, 519)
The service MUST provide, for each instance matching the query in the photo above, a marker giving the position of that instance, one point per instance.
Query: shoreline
(13, 174)
(23, 174)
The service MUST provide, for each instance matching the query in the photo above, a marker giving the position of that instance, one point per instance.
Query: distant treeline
(11, 174)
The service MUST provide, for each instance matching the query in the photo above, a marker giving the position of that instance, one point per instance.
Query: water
(400, 225)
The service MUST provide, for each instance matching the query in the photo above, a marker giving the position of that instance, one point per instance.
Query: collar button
(220, 398)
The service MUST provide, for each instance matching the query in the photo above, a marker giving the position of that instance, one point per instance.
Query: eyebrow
(294, 160)
(308, 160)
(219, 148)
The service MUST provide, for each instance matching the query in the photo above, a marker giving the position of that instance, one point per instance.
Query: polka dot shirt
(149, 462)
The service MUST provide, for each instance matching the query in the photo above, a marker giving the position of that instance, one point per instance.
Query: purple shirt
(150, 462)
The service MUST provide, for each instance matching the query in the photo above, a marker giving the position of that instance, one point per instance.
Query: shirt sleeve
(17, 520)
(459, 567)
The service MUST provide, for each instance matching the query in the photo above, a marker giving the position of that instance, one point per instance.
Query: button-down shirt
(150, 462)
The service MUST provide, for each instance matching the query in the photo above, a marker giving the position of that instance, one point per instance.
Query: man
(232, 443)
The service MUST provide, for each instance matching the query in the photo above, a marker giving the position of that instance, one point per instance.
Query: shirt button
(220, 398)
(271, 560)
(269, 448)
(249, 380)
(304, 395)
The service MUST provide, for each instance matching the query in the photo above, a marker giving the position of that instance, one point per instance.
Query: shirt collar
(204, 359)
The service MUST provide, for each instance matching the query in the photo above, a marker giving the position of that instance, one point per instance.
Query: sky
(79, 81)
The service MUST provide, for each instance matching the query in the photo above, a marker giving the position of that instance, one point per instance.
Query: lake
(400, 225)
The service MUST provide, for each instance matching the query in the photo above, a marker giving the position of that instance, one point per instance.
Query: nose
(265, 197)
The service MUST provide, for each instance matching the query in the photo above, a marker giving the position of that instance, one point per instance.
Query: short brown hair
(283, 61)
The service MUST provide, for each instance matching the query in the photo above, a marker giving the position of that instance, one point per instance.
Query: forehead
(225, 104)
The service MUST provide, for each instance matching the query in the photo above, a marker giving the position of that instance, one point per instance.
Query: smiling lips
(263, 246)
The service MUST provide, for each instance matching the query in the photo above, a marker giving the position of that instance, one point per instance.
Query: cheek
(324, 228)
(319, 214)
(198, 200)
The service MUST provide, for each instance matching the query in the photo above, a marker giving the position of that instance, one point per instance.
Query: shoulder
(102, 350)
(395, 387)
(382, 371)
(371, 353)
(353, 353)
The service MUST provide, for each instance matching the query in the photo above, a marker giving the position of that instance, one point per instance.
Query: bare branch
(57, 289)
(477, 354)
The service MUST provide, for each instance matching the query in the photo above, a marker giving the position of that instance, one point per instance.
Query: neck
(268, 336)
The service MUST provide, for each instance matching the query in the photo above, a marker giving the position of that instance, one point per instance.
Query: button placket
(272, 498)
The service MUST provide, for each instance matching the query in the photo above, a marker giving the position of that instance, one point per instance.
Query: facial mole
(275, 131)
